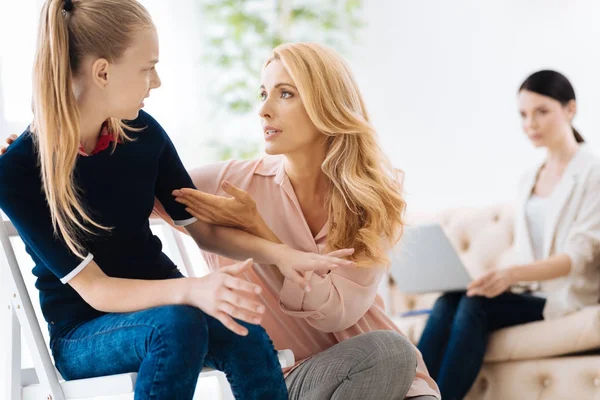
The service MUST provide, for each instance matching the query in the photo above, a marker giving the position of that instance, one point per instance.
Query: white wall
(440, 80)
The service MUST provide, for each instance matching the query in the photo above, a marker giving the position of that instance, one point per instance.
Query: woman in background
(557, 243)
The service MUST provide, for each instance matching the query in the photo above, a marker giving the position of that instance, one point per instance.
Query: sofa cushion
(570, 334)
(557, 378)
(411, 327)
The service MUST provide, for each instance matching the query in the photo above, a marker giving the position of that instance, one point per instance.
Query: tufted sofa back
(532, 361)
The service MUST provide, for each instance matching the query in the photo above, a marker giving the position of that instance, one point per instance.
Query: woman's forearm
(543, 270)
(262, 230)
(233, 243)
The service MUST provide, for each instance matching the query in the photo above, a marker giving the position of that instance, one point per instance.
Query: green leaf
(353, 5)
(251, 33)
(225, 60)
(303, 13)
(216, 42)
(276, 40)
(240, 106)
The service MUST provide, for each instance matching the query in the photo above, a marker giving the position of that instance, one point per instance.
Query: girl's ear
(100, 72)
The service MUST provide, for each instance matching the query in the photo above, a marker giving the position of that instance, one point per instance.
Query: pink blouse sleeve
(337, 299)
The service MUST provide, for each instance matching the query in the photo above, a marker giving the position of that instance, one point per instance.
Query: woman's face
(545, 120)
(287, 128)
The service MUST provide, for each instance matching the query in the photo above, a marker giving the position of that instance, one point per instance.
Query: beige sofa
(531, 361)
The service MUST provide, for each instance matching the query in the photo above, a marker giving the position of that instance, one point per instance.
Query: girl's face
(127, 82)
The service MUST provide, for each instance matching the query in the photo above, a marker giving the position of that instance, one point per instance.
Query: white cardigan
(572, 228)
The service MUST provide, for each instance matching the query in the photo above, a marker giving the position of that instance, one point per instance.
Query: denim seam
(104, 332)
(159, 361)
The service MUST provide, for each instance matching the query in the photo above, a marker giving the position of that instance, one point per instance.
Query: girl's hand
(225, 296)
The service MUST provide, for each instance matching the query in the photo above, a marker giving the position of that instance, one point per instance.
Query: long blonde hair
(103, 28)
(366, 206)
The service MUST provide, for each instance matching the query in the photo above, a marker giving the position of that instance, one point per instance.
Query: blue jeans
(168, 347)
(455, 338)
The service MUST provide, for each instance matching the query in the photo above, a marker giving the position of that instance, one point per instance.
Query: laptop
(424, 261)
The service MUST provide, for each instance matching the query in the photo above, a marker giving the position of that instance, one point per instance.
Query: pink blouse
(341, 304)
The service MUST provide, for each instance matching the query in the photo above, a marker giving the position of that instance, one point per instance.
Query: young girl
(79, 186)
(325, 185)
(557, 242)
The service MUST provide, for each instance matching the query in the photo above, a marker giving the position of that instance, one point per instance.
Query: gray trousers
(378, 365)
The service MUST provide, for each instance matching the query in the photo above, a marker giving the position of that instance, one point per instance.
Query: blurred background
(439, 78)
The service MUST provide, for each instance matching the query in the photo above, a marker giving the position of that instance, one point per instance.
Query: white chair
(44, 381)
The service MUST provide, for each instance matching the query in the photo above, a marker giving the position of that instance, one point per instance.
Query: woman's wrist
(515, 274)
(276, 253)
(255, 226)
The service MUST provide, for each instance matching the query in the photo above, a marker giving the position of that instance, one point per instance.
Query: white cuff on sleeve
(185, 222)
(79, 268)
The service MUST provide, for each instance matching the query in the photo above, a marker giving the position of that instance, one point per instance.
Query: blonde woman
(325, 185)
(79, 186)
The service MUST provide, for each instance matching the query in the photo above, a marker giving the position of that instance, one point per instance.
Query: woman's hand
(492, 283)
(224, 296)
(294, 264)
(241, 212)
(238, 211)
(9, 141)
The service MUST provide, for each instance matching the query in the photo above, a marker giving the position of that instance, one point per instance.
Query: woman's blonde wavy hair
(105, 29)
(366, 206)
